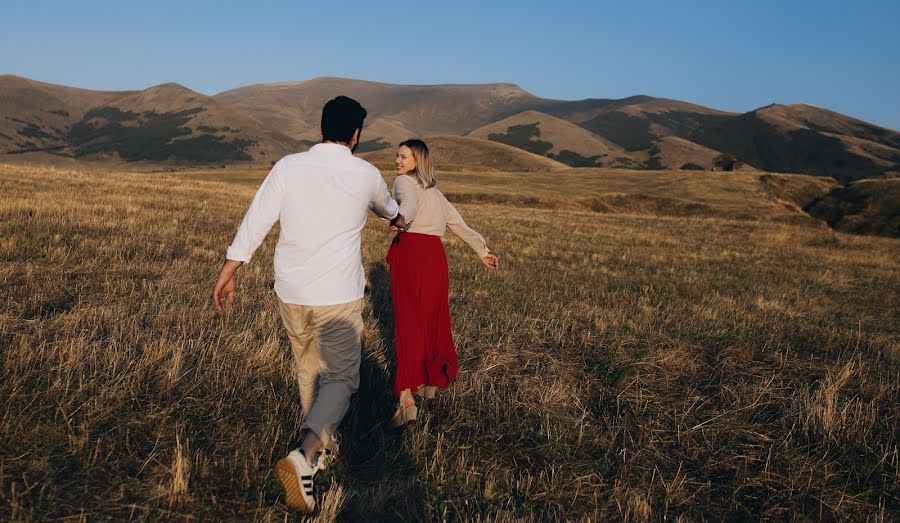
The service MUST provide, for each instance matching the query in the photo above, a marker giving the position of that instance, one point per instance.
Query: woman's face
(404, 160)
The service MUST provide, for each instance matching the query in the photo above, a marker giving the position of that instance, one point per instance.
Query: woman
(426, 357)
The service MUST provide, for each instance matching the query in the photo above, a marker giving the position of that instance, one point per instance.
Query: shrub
(573, 159)
(33, 131)
(724, 162)
(521, 136)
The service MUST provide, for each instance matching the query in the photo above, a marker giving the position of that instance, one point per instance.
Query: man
(321, 199)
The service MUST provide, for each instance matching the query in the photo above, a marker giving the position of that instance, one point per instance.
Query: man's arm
(259, 219)
(224, 290)
(264, 211)
(382, 204)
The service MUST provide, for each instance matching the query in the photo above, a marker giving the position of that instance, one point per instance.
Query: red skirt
(423, 338)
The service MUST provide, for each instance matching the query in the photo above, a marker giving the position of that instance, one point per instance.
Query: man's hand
(224, 290)
(398, 223)
(491, 262)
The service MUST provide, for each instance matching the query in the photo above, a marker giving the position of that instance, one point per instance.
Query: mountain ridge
(170, 122)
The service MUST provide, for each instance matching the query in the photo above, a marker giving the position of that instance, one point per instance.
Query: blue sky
(729, 55)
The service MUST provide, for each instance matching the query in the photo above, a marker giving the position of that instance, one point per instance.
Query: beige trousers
(325, 342)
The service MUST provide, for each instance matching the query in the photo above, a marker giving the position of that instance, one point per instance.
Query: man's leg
(294, 471)
(339, 329)
(304, 348)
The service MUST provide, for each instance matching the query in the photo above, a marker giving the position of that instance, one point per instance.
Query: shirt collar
(336, 148)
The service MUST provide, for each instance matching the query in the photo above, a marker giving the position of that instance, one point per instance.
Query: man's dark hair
(340, 118)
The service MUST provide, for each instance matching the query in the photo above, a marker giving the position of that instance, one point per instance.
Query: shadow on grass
(375, 467)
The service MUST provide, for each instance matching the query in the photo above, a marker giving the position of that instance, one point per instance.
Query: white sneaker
(296, 476)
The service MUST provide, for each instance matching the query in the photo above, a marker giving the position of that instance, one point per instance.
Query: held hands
(491, 262)
(398, 223)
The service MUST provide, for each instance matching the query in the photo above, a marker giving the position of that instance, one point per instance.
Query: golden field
(682, 346)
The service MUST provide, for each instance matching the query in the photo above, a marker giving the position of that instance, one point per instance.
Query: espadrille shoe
(296, 476)
(406, 412)
(426, 391)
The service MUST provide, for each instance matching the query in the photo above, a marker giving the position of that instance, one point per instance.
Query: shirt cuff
(236, 254)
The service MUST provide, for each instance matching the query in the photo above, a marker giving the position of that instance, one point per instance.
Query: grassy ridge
(619, 366)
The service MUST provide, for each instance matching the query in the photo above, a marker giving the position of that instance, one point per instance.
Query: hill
(554, 138)
(672, 152)
(637, 128)
(296, 107)
(163, 123)
(36, 114)
(803, 138)
(261, 122)
(635, 123)
(471, 154)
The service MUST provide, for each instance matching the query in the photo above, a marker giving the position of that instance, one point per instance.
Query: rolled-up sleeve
(382, 204)
(264, 211)
(407, 197)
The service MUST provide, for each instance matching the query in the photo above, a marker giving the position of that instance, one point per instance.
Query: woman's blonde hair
(424, 168)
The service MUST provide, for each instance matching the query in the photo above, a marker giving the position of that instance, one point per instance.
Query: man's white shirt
(321, 199)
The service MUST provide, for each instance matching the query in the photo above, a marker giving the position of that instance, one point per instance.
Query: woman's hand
(491, 262)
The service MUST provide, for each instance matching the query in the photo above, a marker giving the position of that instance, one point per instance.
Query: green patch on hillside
(524, 137)
(372, 145)
(623, 162)
(630, 132)
(152, 136)
(573, 159)
(208, 129)
(33, 131)
(113, 114)
(654, 163)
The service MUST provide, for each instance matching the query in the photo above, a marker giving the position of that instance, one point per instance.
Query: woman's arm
(407, 197)
(465, 233)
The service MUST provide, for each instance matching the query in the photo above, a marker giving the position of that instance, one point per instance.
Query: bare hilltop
(259, 123)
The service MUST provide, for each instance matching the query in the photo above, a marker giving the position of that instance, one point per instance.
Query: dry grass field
(721, 361)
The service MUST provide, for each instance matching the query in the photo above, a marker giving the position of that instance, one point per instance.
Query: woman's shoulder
(405, 179)
(437, 192)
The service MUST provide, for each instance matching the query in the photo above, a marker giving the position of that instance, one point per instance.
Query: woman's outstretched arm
(465, 233)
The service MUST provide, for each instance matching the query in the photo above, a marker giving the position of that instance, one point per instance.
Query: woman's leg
(409, 336)
(441, 359)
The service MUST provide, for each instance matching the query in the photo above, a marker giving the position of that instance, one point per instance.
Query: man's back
(321, 198)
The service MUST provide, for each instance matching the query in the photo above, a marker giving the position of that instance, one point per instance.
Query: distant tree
(724, 162)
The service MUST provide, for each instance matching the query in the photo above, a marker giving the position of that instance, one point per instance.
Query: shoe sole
(293, 498)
